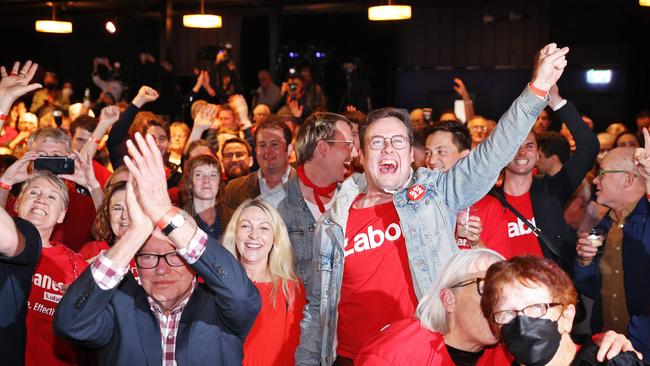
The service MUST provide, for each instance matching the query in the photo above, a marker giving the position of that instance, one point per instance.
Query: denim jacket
(427, 225)
(300, 226)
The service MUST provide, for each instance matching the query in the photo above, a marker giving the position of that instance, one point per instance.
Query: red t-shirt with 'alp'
(57, 266)
(503, 231)
(377, 287)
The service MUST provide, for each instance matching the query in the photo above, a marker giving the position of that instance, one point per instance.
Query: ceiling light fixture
(202, 20)
(53, 25)
(389, 12)
(644, 2)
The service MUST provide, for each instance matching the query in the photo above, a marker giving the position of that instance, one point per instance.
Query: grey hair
(53, 179)
(430, 311)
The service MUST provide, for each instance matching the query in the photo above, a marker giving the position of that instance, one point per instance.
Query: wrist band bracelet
(96, 141)
(3, 117)
(537, 91)
(5, 186)
(166, 218)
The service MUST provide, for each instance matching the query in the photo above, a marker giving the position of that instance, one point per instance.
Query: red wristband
(646, 196)
(167, 218)
(5, 186)
(537, 91)
(3, 117)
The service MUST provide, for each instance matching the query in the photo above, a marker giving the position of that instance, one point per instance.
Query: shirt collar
(285, 176)
(178, 309)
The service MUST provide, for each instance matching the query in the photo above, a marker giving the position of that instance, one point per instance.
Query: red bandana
(318, 191)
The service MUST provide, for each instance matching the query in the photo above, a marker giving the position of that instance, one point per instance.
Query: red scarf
(318, 191)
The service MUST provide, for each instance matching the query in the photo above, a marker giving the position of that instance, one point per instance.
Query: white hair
(431, 311)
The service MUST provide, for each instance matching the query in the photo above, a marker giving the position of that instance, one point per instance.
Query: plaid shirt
(107, 277)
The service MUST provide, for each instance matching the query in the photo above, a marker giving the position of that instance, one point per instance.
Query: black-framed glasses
(478, 281)
(398, 142)
(350, 143)
(602, 172)
(532, 311)
(150, 260)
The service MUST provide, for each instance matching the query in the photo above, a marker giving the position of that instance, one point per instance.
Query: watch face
(178, 221)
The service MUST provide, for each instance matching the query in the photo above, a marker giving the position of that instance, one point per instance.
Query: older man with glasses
(616, 274)
(170, 319)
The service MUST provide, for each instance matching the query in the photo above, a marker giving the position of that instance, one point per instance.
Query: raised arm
(467, 100)
(84, 314)
(202, 122)
(14, 85)
(582, 160)
(473, 176)
(119, 132)
(107, 118)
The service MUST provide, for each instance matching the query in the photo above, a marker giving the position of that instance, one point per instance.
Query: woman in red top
(43, 201)
(256, 235)
(110, 224)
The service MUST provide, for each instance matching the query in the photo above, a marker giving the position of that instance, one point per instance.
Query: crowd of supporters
(274, 232)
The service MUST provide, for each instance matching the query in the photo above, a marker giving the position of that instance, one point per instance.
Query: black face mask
(532, 341)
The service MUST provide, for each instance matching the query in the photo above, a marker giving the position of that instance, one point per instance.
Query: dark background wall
(488, 43)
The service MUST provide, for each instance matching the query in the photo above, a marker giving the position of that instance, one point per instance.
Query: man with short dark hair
(236, 158)
(273, 147)
(539, 200)
(554, 151)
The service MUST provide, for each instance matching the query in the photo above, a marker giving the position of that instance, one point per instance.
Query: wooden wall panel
(456, 35)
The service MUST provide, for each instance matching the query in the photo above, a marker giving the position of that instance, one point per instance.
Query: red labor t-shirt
(503, 231)
(377, 288)
(57, 266)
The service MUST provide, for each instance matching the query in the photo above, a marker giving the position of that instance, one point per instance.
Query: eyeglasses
(350, 143)
(478, 281)
(236, 154)
(479, 128)
(602, 172)
(399, 142)
(149, 260)
(532, 311)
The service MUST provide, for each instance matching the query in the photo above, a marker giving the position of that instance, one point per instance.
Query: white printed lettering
(519, 228)
(373, 239)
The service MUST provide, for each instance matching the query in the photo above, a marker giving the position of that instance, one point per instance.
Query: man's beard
(236, 171)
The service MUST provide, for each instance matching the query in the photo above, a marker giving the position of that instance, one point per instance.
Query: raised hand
(84, 174)
(550, 65)
(205, 118)
(460, 88)
(109, 115)
(642, 156)
(17, 172)
(138, 221)
(238, 103)
(296, 109)
(147, 168)
(145, 95)
(16, 84)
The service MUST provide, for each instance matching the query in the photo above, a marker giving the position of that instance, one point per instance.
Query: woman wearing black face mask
(530, 302)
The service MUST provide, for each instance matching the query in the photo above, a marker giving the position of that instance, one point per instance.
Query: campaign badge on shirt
(416, 192)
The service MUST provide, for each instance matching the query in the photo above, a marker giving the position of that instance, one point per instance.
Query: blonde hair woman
(256, 235)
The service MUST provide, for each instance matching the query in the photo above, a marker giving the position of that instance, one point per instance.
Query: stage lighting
(110, 26)
(599, 76)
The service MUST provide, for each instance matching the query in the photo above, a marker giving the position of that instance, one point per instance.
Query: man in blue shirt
(617, 275)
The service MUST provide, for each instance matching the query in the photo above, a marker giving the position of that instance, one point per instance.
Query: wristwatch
(171, 221)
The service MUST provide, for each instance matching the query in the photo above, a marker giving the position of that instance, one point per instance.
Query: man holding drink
(616, 273)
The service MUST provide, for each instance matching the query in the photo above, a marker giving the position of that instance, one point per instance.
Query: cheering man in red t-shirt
(390, 230)
(540, 200)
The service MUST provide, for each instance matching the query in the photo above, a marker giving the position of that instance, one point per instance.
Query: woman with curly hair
(257, 236)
